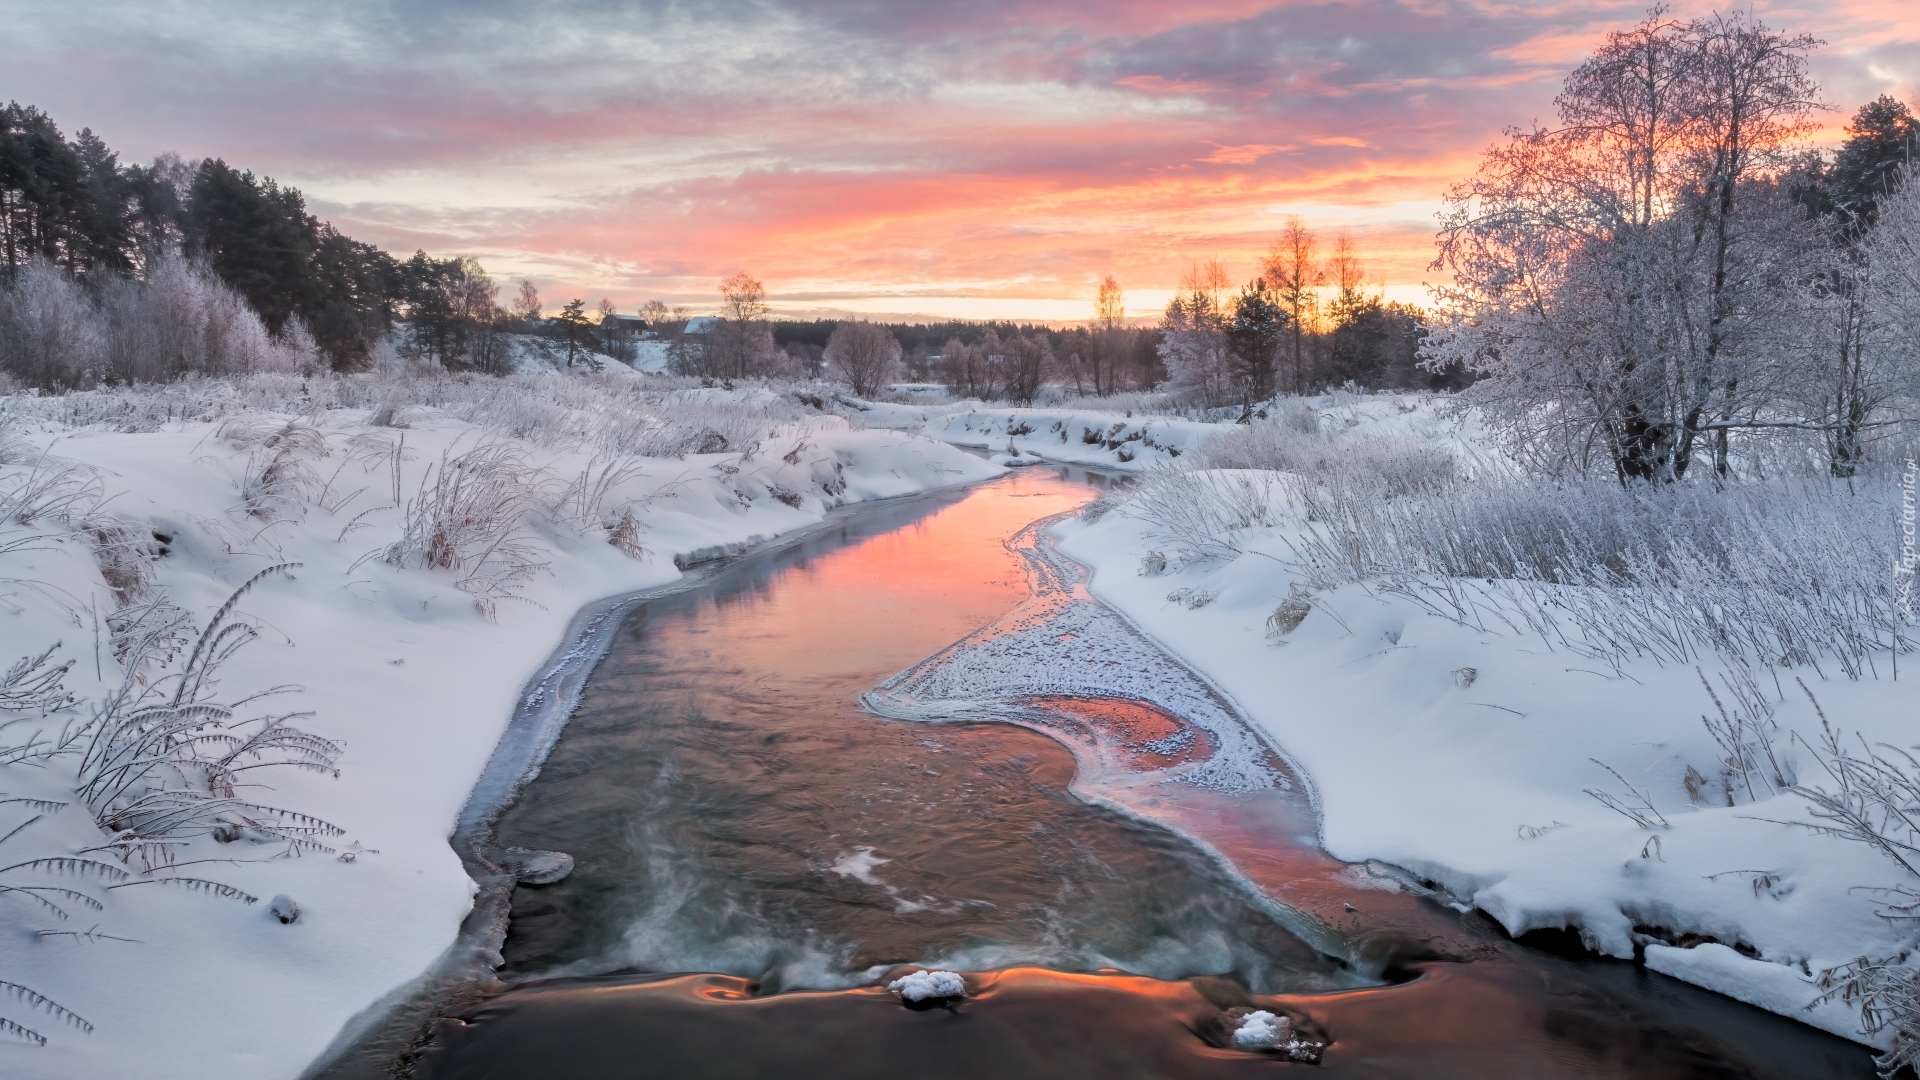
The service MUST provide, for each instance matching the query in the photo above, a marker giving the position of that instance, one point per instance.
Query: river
(1117, 863)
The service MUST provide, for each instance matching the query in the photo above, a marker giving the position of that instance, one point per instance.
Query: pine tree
(1883, 138)
(1256, 329)
(572, 323)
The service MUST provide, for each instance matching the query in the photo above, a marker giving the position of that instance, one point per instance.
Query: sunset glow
(883, 158)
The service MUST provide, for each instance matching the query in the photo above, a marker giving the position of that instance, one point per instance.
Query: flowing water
(1032, 795)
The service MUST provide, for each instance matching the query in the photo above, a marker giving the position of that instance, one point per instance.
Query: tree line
(72, 207)
(1304, 323)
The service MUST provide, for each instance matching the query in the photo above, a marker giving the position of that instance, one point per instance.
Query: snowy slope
(396, 663)
(651, 357)
(538, 356)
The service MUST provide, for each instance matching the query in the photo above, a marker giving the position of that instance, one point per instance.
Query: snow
(858, 864)
(929, 985)
(396, 663)
(531, 355)
(1025, 436)
(1055, 645)
(652, 357)
(1778, 988)
(1477, 782)
(1261, 1030)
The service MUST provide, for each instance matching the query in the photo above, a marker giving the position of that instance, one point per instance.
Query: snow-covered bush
(52, 488)
(1293, 439)
(1869, 797)
(468, 516)
(278, 479)
(1786, 570)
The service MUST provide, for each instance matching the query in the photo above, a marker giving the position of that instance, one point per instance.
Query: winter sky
(981, 159)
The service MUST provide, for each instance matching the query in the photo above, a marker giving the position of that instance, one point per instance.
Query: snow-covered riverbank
(413, 670)
(1470, 755)
(1087, 436)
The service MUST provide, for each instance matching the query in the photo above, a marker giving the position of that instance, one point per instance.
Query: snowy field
(434, 538)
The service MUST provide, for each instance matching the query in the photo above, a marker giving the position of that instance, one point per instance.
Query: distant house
(624, 327)
(702, 325)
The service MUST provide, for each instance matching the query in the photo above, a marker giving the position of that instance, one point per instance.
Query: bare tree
(864, 355)
(1110, 306)
(1294, 274)
(526, 305)
(1348, 276)
(1893, 251)
(1029, 360)
(973, 371)
(742, 342)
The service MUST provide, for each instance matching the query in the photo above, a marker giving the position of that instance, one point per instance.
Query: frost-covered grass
(1789, 571)
(428, 541)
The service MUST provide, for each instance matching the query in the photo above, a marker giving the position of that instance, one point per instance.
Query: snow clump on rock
(1261, 1030)
(928, 985)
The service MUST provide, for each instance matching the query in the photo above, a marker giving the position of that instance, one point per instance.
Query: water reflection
(732, 810)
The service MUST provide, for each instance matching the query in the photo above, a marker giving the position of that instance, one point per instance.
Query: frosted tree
(1619, 278)
(1893, 293)
(50, 334)
(863, 355)
(1193, 342)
